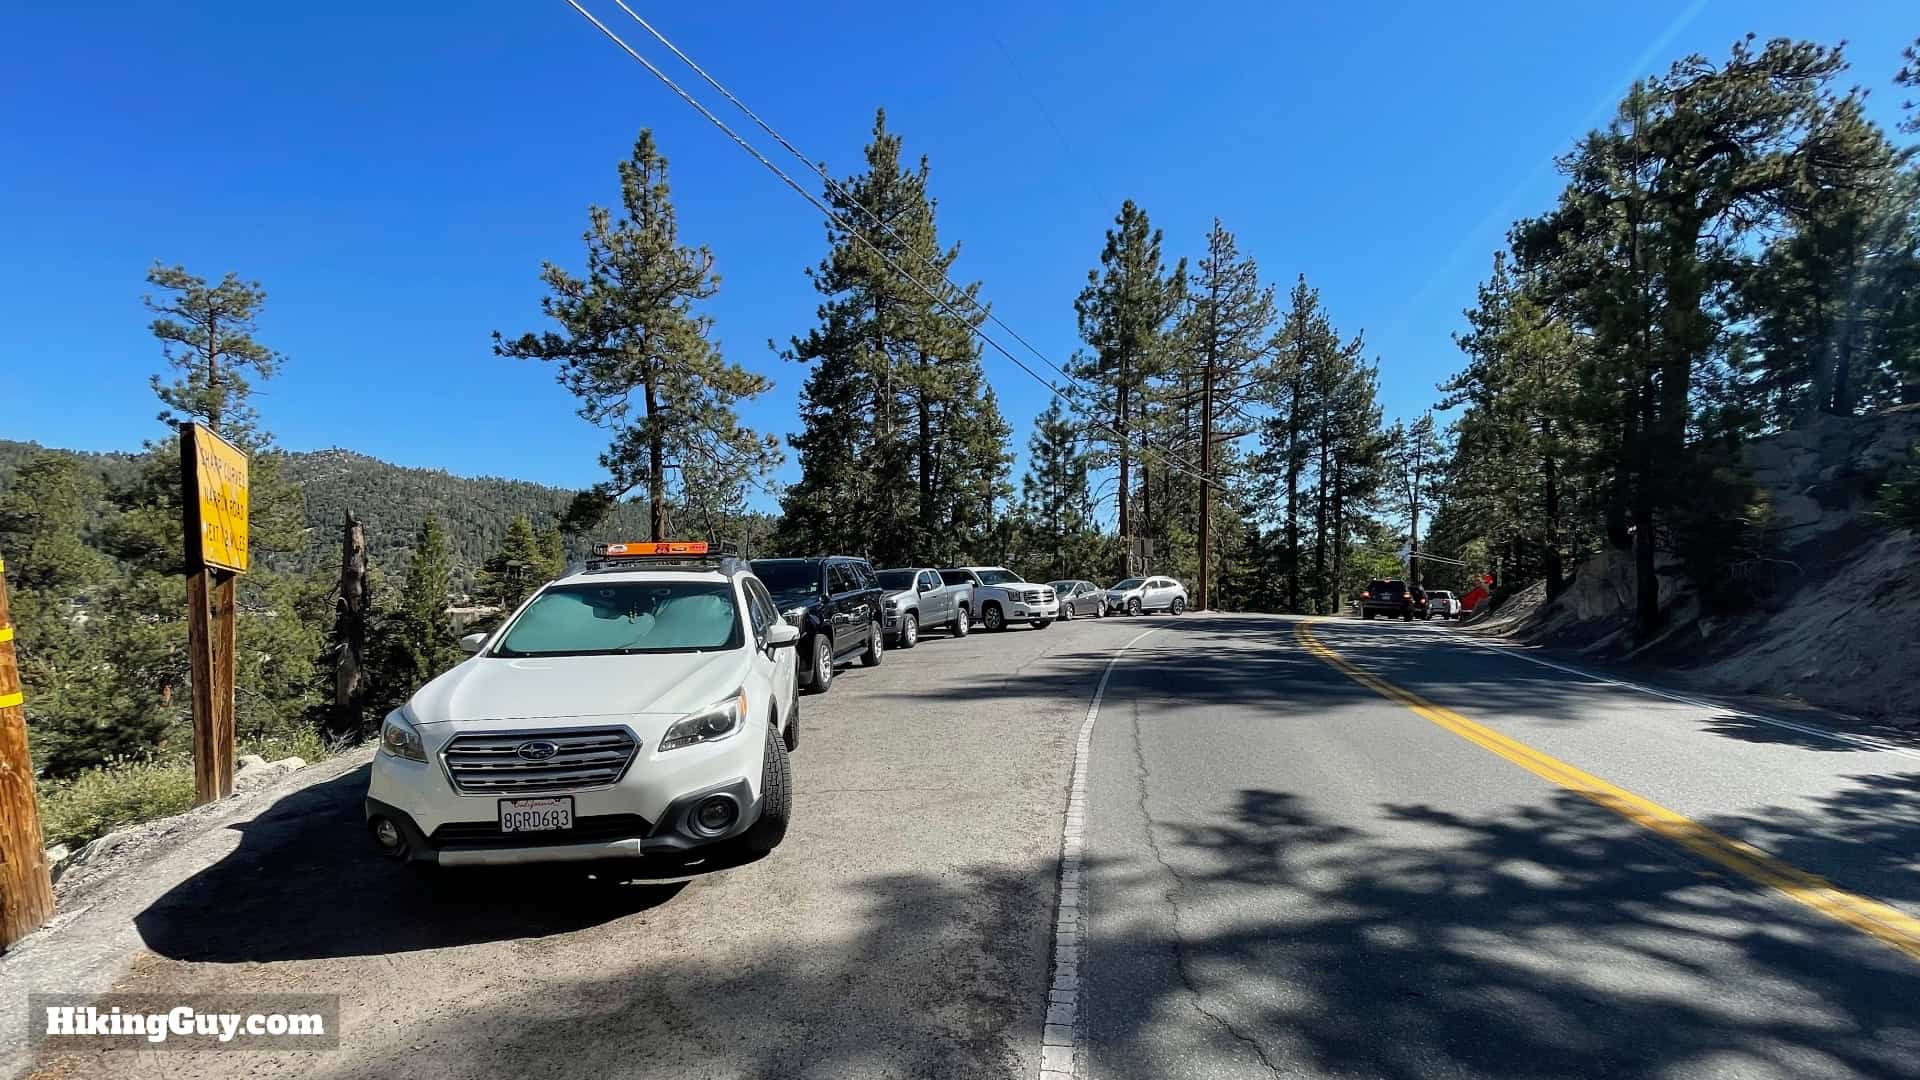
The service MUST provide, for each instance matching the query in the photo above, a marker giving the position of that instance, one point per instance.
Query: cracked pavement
(1289, 874)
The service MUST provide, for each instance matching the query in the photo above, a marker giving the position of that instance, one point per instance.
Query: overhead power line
(840, 222)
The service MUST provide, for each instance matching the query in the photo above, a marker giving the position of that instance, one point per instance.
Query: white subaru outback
(643, 707)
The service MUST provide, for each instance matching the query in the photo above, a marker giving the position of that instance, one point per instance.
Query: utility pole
(26, 889)
(1206, 436)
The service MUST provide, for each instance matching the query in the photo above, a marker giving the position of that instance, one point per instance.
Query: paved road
(1290, 873)
(1291, 868)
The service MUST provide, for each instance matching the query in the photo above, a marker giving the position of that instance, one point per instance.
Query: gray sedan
(1079, 598)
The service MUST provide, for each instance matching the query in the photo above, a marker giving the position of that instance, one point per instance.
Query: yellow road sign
(221, 472)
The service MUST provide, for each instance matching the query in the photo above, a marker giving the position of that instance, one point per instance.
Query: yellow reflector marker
(1882, 922)
(8, 701)
(6, 633)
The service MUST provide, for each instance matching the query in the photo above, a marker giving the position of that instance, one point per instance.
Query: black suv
(835, 601)
(1387, 596)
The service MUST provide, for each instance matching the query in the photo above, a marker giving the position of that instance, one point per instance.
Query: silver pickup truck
(915, 599)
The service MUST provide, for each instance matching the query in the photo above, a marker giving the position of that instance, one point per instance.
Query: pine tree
(1417, 457)
(415, 639)
(639, 357)
(1125, 312)
(1227, 324)
(1304, 342)
(511, 574)
(902, 452)
(1054, 505)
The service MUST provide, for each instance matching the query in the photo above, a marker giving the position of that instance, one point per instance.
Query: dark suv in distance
(1387, 596)
(835, 601)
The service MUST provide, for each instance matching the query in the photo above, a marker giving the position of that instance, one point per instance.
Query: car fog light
(716, 814)
(386, 833)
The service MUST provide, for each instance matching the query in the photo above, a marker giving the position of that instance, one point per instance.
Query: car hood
(569, 687)
(902, 597)
(1126, 592)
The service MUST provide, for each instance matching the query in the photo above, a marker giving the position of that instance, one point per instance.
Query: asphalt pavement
(1290, 873)
(1361, 850)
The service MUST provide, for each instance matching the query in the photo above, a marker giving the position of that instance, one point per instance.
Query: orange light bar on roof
(672, 547)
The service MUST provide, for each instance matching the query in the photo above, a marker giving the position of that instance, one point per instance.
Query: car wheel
(776, 798)
(1365, 615)
(909, 630)
(792, 735)
(821, 678)
(876, 644)
(1179, 605)
(1408, 617)
(962, 623)
(1100, 609)
(991, 618)
(1066, 612)
(1133, 605)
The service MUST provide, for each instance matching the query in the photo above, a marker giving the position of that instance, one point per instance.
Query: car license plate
(535, 815)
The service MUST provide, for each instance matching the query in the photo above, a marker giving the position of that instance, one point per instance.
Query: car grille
(1036, 596)
(585, 830)
(491, 763)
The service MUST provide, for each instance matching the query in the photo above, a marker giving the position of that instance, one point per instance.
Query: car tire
(1179, 605)
(876, 645)
(820, 680)
(791, 736)
(1408, 617)
(1043, 624)
(1365, 615)
(1066, 612)
(991, 619)
(909, 629)
(776, 798)
(962, 623)
(1100, 609)
(1133, 605)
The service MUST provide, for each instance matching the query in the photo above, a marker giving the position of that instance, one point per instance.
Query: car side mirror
(925, 587)
(782, 635)
(472, 643)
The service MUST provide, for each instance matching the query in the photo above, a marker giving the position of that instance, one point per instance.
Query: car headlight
(795, 615)
(708, 725)
(400, 738)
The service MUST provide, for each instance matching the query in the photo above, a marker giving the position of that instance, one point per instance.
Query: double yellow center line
(1877, 920)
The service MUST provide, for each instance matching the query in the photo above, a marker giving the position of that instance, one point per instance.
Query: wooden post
(213, 488)
(26, 889)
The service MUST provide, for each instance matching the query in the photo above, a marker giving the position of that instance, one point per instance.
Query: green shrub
(1899, 498)
(112, 796)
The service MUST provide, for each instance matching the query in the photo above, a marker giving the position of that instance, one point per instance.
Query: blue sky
(395, 176)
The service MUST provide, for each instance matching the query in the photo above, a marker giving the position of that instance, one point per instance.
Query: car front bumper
(646, 813)
(1020, 611)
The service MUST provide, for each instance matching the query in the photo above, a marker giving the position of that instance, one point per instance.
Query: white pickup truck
(915, 599)
(1002, 597)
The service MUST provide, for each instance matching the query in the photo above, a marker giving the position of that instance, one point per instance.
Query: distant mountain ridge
(390, 500)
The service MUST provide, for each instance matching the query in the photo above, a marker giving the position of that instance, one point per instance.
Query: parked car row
(1394, 598)
(646, 706)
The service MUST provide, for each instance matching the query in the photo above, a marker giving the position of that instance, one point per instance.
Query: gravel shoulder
(902, 930)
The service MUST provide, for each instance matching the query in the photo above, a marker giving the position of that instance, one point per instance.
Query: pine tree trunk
(1206, 465)
(1293, 489)
(350, 630)
(656, 469)
(1126, 521)
(1320, 531)
(1550, 507)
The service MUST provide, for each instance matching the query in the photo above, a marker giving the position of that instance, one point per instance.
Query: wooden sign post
(26, 889)
(213, 479)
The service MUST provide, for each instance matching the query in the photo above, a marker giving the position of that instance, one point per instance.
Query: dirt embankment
(1842, 624)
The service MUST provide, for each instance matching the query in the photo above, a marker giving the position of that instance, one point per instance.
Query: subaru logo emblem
(538, 750)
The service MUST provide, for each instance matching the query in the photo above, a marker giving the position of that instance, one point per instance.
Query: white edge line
(1062, 1044)
(1864, 742)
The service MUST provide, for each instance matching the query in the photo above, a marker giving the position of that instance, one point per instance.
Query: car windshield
(898, 579)
(999, 577)
(1440, 594)
(1130, 583)
(1062, 586)
(788, 577)
(620, 617)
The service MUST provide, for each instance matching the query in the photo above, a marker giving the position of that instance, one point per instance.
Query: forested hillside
(391, 501)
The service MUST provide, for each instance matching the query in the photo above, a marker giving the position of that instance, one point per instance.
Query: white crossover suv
(643, 707)
(1136, 595)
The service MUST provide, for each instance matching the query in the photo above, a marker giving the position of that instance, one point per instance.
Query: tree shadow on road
(306, 883)
(1550, 941)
